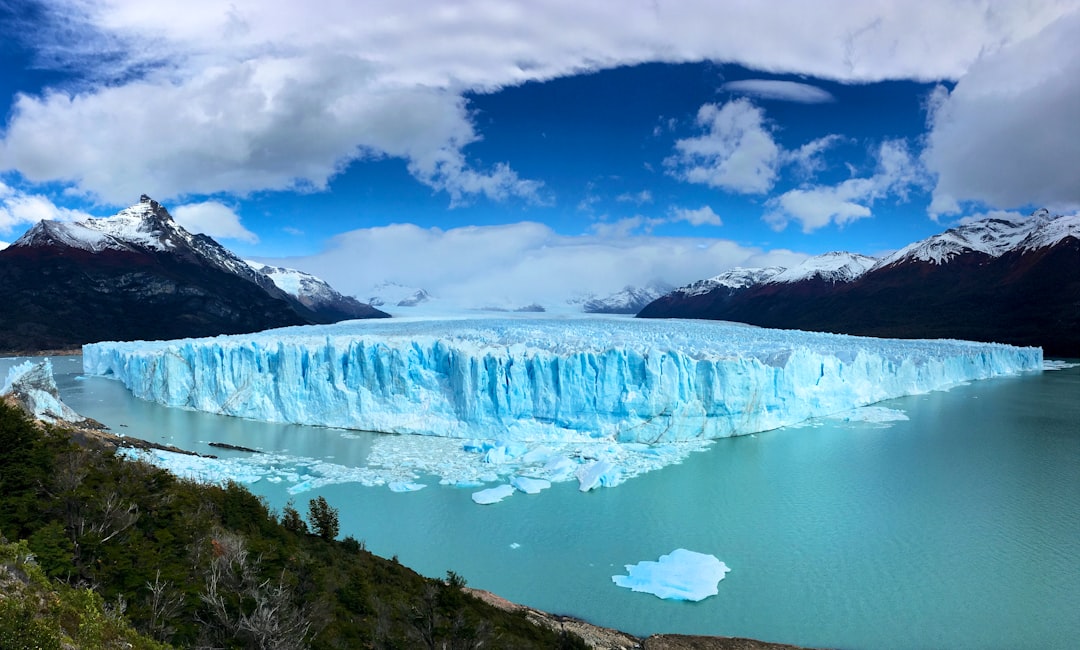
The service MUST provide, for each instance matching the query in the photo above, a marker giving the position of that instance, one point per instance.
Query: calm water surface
(957, 528)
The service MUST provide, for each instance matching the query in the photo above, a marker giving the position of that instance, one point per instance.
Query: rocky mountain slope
(1011, 281)
(136, 275)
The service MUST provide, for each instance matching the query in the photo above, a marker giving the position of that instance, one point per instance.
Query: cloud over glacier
(253, 95)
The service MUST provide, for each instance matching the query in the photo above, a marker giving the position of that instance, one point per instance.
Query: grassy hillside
(124, 553)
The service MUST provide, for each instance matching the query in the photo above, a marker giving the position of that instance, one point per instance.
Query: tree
(323, 518)
(291, 520)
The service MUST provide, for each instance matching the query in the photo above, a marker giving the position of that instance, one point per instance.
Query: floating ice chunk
(1058, 364)
(404, 486)
(598, 474)
(515, 545)
(530, 485)
(679, 575)
(559, 468)
(492, 495)
(871, 414)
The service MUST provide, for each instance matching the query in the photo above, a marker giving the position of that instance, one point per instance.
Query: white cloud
(736, 152)
(271, 123)
(196, 96)
(19, 209)
(214, 219)
(534, 264)
(703, 216)
(637, 198)
(809, 158)
(816, 206)
(1006, 136)
(788, 91)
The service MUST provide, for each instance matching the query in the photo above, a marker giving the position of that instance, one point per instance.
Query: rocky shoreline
(604, 638)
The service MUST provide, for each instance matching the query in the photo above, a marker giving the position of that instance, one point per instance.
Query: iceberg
(492, 495)
(679, 575)
(515, 380)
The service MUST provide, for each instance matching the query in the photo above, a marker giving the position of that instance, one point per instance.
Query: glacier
(514, 380)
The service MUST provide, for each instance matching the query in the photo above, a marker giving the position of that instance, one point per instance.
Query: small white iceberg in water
(530, 485)
(492, 495)
(679, 575)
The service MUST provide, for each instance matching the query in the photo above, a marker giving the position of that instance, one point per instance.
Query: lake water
(959, 527)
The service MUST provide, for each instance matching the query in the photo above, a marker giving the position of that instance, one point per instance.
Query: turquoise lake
(959, 527)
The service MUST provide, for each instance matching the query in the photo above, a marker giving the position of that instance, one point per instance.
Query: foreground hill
(1007, 281)
(137, 275)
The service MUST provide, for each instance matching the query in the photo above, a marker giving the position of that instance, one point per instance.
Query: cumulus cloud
(736, 152)
(703, 216)
(533, 262)
(19, 209)
(214, 219)
(788, 91)
(201, 97)
(816, 206)
(1006, 134)
(271, 123)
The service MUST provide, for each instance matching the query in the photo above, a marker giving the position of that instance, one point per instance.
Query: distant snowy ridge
(831, 267)
(312, 292)
(392, 294)
(628, 301)
(733, 279)
(993, 237)
(544, 379)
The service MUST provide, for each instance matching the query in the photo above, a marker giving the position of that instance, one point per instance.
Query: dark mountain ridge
(996, 280)
(135, 276)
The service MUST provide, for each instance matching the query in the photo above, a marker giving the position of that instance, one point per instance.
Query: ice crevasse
(618, 379)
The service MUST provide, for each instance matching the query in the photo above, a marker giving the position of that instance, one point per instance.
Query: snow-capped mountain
(314, 293)
(135, 275)
(145, 227)
(628, 301)
(992, 237)
(1007, 280)
(392, 294)
(831, 267)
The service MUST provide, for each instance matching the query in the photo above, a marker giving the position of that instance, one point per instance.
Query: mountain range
(140, 275)
(1005, 280)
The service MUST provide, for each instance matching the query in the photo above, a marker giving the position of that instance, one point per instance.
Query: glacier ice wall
(617, 379)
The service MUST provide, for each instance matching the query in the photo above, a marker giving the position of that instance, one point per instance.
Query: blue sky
(519, 152)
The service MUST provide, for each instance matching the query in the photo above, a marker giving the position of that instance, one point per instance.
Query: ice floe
(679, 575)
